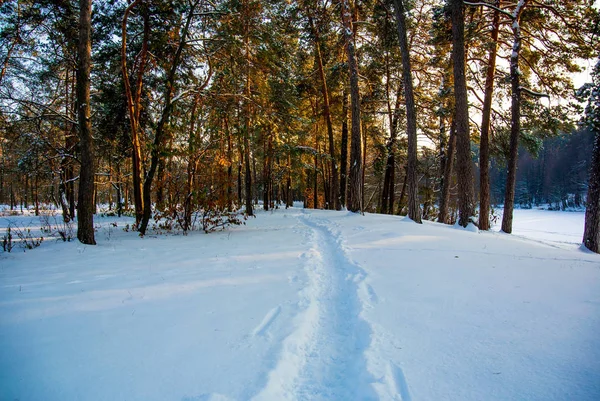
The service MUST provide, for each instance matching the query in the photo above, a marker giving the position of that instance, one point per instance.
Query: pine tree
(515, 123)
(85, 206)
(591, 233)
(355, 192)
(464, 168)
(414, 210)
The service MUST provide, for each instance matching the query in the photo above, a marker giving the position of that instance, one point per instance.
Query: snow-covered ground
(561, 229)
(305, 305)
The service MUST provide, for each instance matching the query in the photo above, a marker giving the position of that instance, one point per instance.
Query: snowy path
(323, 359)
(303, 305)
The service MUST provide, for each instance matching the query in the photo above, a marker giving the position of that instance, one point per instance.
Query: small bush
(7, 244)
(28, 240)
(213, 220)
(57, 227)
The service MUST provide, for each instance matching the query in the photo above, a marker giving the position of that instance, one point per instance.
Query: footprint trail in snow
(323, 358)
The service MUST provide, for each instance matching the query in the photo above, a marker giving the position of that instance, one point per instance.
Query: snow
(305, 305)
(555, 228)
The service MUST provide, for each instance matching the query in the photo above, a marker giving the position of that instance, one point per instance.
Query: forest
(188, 114)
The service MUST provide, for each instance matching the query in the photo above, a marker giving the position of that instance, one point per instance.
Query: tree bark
(344, 151)
(591, 232)
(316, 180)
(65, 162)
(334, 186)
(229, 165)
(386, 206)
(447, 176)
(364, 163)
(484, 142)
(414, 210)
(85, 207)
(71, 145)
(191, 167)
(289, 198)
(402, 192)
(355, 184)
(464, 168)
(515, 120)
(387, 193)
(164, 118)
(267, 176)
(134, 107)
(248, 172)
(239, 172)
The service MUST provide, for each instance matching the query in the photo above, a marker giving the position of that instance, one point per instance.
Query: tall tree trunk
(85, 207)
(62, 196)
(192, 164)
(464, 168)
(134, 107)
(248, 176)
(118, 189)
(344, 151)
(254, 177)
(162, 123)
(247, 170)
(25, 192)
(65, 162)
(402, 192)
(13, 201)
(334, 189)
(316, 173)
(484, 142)
(161, 182)
(191, 167)
(36, 199)
(229, 165)
(414, 210)
(364, 164)
(443, 138)
(515, 120)
(388, 179)
(71, 145)
(267, 180)
(591, 232)
(356, 167)
(447, 176)
(387, 193)
(239, 174)
(289, 202)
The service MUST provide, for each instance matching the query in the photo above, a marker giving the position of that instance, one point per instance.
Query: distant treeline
(556, 177)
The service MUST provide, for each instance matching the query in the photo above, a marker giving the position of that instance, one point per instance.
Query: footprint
(207, 397)
(267, 321)
(373, 298)
(399, 382)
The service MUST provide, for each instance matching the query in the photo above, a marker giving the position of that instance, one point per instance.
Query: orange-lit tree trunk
(355, 180)
(464, 169)
(414, 210)
(134, 106)
(334, 186)
(484, 142)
